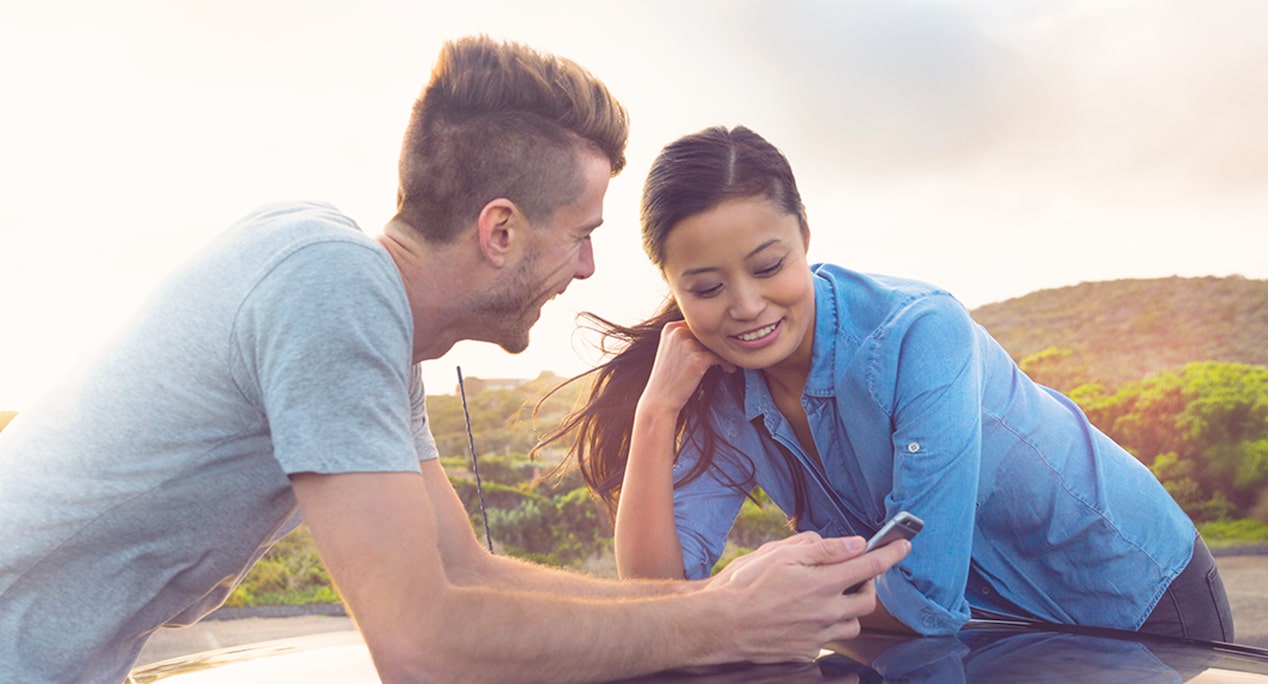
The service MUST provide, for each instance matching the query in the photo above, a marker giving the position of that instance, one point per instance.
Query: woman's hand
(681, 361)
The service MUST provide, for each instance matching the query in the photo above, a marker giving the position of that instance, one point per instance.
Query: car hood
(985, 651)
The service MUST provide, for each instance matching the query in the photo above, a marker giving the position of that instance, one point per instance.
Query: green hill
(1114, 332)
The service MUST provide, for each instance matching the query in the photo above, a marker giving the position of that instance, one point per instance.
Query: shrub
(1234, 532)
(759, 523)
(291, 573)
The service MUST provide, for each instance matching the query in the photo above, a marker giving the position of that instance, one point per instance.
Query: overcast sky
(991, 147)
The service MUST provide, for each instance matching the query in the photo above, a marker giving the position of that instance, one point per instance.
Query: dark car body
(985, 651)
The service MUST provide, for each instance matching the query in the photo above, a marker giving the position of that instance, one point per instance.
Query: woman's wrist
(654, 408)
(653, 431)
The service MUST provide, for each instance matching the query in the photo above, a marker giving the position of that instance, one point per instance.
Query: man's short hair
(502, 120)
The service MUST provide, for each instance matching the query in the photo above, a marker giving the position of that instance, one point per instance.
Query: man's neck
(437, 281)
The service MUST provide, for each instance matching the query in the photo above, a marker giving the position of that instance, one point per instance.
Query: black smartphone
(902, 526)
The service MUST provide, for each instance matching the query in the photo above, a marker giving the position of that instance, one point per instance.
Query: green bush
(1234, 532)
(759, 523)
(561, 530)
(290, 574)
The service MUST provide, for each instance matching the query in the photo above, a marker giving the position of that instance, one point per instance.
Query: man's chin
(514, 346)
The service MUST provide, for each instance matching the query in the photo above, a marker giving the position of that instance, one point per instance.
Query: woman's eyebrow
(760, 247)
(750, 255)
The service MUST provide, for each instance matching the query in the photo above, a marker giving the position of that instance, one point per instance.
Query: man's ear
(497, 229)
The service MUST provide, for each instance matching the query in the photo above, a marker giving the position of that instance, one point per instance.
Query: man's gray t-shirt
(142, 488)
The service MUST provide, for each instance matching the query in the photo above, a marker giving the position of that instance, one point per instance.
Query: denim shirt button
(913, 447)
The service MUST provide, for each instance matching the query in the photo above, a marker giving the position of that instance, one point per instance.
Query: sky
(992, 147)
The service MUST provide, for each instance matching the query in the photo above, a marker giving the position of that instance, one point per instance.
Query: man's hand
(788, 593)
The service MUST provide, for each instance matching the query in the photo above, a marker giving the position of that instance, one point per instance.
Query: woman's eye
(772, 269)
(706, 291)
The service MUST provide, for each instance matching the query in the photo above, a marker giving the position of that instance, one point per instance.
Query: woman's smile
(755, 339)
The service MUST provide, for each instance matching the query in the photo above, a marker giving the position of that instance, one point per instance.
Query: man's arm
(387, 550)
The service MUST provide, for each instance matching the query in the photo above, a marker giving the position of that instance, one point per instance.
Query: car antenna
(475, 466)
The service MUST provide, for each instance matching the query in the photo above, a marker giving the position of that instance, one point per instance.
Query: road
(1246, 581)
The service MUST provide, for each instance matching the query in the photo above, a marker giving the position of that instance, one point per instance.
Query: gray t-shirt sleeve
(424, 442)
(324, 341)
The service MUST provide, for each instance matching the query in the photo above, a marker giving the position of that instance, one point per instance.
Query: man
(278, 368)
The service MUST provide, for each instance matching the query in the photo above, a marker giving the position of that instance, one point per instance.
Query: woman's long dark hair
(690, 175)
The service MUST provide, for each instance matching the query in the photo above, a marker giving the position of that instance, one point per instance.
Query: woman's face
(739, 274)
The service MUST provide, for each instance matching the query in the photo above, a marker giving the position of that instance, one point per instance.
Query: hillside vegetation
(1114, 332)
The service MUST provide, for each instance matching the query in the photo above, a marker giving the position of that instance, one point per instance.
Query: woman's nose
(746, 302)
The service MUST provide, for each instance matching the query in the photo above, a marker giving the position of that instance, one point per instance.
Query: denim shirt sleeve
(705, 509)
(926, 372)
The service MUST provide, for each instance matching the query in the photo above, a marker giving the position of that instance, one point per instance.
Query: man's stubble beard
(505, 312)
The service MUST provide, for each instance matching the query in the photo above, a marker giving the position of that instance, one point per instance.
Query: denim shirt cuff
(695, 568)
(915, 610)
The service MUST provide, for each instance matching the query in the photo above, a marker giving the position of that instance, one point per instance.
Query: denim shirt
(1029, 510)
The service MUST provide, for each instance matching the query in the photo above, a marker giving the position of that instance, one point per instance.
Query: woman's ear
(805, 229)
(497, 230)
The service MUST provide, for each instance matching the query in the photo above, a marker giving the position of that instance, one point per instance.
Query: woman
(851, 397)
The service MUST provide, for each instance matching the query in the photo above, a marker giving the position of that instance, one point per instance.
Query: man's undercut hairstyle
(502, 120)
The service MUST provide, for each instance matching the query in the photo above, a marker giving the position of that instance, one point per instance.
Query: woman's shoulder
(879, 284)
(870, 301)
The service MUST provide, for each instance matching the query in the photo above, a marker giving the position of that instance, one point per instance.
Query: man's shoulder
(297, 223)
(295, 237)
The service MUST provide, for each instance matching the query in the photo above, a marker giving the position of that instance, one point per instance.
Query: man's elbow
(407, 660)
(406, 670)
(427, 639)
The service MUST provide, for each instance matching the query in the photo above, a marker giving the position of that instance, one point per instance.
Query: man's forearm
(433, 606)
(525, 636)
(512, 573)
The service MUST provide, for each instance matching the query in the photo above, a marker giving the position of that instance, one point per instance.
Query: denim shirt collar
(822, 379)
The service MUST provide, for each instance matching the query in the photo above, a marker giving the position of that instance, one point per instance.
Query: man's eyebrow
(750, 255)
(590, 227)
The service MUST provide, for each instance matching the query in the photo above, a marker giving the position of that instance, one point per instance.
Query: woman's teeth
(759, 333)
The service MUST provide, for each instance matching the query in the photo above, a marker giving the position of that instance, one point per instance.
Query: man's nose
(585, 263)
